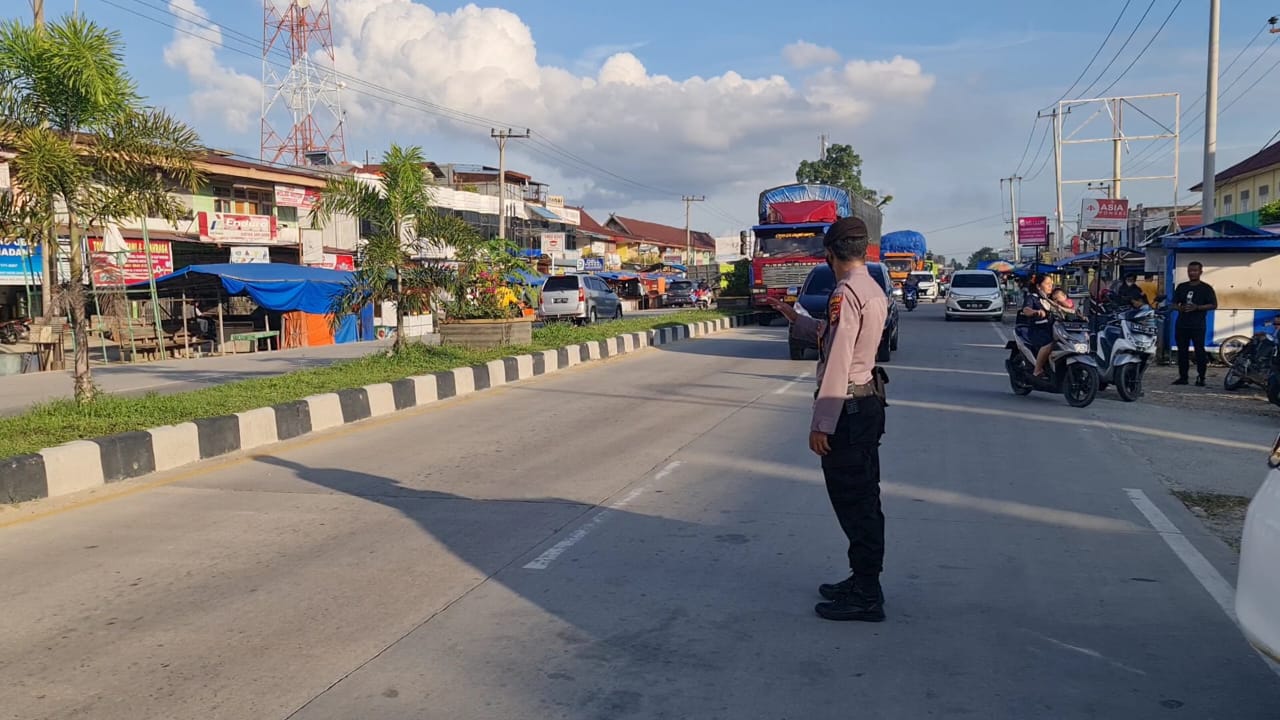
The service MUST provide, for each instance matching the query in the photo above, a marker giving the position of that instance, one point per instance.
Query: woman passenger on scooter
(1035, 315)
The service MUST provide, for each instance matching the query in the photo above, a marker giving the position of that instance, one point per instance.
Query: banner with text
(1033, 231)
(229, 228)
(1104, 214)
(112, 268)
(19, 264)
(250, 254)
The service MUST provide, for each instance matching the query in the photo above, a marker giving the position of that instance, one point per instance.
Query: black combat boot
(835, 591)
(864, 602)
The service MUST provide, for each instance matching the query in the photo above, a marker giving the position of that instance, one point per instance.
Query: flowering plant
(482, 287)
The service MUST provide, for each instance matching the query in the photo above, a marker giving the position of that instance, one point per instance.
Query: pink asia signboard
(230, 228)
(1033, 231)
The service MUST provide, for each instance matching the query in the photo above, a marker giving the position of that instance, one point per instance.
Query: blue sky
(938, 97)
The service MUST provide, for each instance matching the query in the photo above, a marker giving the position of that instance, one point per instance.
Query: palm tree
(88, 151)
(398, 207)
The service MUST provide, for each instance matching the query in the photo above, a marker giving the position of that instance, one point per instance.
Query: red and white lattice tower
(301, 113)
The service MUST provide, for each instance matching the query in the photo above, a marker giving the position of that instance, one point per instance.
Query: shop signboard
(592, 264)
(19, 264)
(130, 266)
(250, 254)
(1033, 231)
(1104, 214)
(338, 261)
(218, 227)
(552, 243)
(296, 197)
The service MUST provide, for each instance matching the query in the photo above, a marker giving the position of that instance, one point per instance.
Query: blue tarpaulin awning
(278, 287)
(526, 277)
(1028, 269)
(544, 213)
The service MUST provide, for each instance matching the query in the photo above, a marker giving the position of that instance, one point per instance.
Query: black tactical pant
(852, 472)
(1185, 336)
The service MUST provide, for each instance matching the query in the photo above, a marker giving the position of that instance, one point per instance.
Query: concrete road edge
(85, 464)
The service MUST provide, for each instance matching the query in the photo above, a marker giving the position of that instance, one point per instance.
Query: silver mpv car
(580, 298)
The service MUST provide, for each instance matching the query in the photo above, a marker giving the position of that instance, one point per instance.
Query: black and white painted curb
(86, 464)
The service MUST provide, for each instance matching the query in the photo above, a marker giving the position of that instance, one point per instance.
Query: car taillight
(582, 294)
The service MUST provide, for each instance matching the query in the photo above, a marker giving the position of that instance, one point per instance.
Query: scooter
(702, 299)
(910, 297)
(1072, 369)
(1254, 364)
(14, 331)
(1126, 345)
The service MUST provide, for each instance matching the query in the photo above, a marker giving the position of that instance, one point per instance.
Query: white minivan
(1258, 582)
(975, 293)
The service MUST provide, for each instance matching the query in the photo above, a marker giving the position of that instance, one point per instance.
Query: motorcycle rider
(1036, 317)
(1129, 293)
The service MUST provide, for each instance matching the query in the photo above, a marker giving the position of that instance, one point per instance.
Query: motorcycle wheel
(1129, 382)
(1230, 348)
(1235, 378)
(1081, 385)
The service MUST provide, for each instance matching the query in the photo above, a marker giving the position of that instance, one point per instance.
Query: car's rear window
(974, 280)
(821, 281)
(681, 285)
(877, 272)
(561, 282)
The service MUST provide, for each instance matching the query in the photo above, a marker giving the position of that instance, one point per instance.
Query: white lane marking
(1093, 654)
(1000, 332)
(1208, 576)
(668, 469)
(543, 561)
(1200, 567)
(798, 379)
(947, 370)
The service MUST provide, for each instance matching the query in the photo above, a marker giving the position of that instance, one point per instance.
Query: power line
(975, 221)
(1144, 49)
(1119, 51)
(1096, 53)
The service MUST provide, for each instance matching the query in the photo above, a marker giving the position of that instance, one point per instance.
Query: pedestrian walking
(848, 417)
(1194, 300)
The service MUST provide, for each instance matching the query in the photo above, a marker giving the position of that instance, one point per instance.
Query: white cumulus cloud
(219, 92)
(802, 54)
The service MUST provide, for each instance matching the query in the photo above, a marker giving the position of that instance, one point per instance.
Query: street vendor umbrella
(998, 266)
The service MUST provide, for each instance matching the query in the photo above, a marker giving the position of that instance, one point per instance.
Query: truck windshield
(811, 245)
(898, 265)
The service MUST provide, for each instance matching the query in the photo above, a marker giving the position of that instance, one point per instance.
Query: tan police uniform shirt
(847, 340)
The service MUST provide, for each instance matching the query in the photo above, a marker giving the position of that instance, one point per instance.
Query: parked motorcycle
(1126, 345)
(1253, 365)
(910, 297)
(1072, 368)
(15, 331)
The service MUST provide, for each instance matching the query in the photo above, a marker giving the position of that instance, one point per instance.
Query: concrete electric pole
(1117, 147)
(1208, 208)
(688, 234)
(1013, 212)
(822, 147)
(502, 136)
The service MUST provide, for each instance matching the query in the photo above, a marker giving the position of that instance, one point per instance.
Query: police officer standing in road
(848, 417)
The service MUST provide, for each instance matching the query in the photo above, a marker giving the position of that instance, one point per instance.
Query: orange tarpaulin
(306, 330)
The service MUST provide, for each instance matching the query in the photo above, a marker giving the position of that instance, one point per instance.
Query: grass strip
(60, 421)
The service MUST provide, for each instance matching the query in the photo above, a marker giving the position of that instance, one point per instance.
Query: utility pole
(1209, 209)
(502, 136)
(37, 7)
(688, 234)
(1013, 211)
(48, 244)
(1117, 147)
(822, 139)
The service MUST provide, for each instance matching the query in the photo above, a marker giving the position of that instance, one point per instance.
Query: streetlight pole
(688, 234)
(502, 136)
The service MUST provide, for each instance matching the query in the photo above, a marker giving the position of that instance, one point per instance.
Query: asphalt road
(642, 538)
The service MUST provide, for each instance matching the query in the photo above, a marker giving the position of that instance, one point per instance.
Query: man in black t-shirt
(1129, 293)
(1194, 300)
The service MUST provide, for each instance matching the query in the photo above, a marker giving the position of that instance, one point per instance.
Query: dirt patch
(1159, 390)
(1223, 514)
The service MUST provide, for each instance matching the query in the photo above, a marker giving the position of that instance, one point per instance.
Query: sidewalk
(18, 392)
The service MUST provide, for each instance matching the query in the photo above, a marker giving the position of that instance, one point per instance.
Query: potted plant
(483, 310)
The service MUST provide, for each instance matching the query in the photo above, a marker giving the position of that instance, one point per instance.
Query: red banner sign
(1033, 231)
(301, 198)
(129, 267)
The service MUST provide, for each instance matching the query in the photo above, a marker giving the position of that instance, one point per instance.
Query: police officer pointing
(848, 417)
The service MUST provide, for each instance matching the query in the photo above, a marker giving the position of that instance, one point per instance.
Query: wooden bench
(254, 337)
(49, 340)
